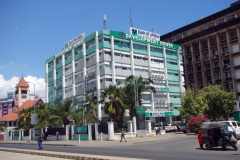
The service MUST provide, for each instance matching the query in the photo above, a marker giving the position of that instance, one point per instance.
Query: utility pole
(130, 17)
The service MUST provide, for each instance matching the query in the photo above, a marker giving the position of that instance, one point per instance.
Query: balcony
(209, 82)
(188, 53)
(237, 79)
(214, 45)
(216, 68)
(237, 67)
(215, 57)
(218, 81)
(190, 74)
(238, 93)
(189, 63)
(205, 47)
(223, 42)
(225, 55)
(227, 66)
(199, 72)
(198, 61)
(196, 50)
(236, 54)
(228, 79)
(206, 59)
(234, 39)
(208, 71)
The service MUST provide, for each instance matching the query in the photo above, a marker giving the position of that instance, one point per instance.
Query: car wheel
(235, 147)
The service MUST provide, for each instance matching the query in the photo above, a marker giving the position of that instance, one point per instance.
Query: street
(176, 146)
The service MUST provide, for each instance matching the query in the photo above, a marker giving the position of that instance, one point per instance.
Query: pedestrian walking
(123, 135)
(57, 134)
(200, 139)
(39, 142)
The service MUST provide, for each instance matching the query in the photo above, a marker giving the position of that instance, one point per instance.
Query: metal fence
(26, 133)
(53, 131)
(103, 128)
(119, 126)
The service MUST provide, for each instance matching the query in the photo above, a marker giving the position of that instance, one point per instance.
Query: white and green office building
(105, 57)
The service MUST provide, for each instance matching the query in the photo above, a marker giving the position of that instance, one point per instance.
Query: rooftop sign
(142, 33)
(72, 44)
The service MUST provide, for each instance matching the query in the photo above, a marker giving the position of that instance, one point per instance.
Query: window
(50, 65)
(190, 70)
(155, 49)
(91, 71)
(68, 90)
(218, 76)
(198, 58)
(59, 93)
(68, 79)
(206, 55)
(140, 58)
(91, 57)
(126, 68)
(173, 85)
(207, 66)
(91, 45)
(156, 61)
(109, 53)
(79, 75)
(79, 51)
(189, 59)
(158, 72)
(172, 63)
(215, 52)
(49, 76)
(59, 83)
(223, 37)
(60, 61)
(79, 87)
(51, 85)
(121, 42)
(58, 72)
(225, 49)
(118, 67)
(139, 46)
(188, 49)
(173, 74)
(228, 74)
(70, 56)
(124, 55)
(117, 80)
(106, 39)
(171, 52)
(50, 96)
(108, 79)
(117, 54)
(68, 68)
(78, 63)
(140, 70)
(216, 64)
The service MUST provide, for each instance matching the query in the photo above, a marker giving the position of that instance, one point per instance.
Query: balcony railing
(190, 74)
(208, 71)
(206, 59)
(189, 63)
(199, 72)
(188, 53)
(227, 66)
(218, 80)
(205, 47)
(214, 56)
(209, 82)
(214, 45)
(237, 67)
(228, 78)
(198, 61)
(233, 39)
(225, 54)
(223, 41)
(217, 68)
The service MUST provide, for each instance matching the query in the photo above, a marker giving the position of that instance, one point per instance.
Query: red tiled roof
(16, 102)
(22, 83)
(14, 116)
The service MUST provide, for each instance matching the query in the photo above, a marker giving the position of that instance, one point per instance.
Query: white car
(170, 127)
(235, 125)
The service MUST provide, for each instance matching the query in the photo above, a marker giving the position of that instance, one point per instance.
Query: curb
(65, 155)
(42, 144)
(152, 141)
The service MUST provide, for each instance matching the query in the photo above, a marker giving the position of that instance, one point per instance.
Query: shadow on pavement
(179, 133)
(216, 149)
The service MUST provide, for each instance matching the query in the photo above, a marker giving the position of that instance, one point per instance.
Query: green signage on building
(169, 114)
(140, 110)
(165, 89)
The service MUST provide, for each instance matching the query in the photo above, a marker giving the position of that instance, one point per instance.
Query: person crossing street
(123, 135)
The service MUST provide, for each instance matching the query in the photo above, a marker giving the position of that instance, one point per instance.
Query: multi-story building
(105, 57)
(211, 49)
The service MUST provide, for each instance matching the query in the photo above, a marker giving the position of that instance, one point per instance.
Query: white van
(235, 125)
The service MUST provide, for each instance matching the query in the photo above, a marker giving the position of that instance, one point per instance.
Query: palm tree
(139, 86)
(91, 106)
(114, 106)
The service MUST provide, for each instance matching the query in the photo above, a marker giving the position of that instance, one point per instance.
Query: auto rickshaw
(216, 134)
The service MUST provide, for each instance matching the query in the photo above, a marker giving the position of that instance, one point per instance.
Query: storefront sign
(140, 117)
(169, 114)
(158, 89)
(138, 32)
(158, 114)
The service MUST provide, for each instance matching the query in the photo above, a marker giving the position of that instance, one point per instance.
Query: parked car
(235, 125)
(170, 127)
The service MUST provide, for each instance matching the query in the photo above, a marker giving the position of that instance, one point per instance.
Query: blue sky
(32, 31)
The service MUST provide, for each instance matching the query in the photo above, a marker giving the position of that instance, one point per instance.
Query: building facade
(105, 57)
(211, 49)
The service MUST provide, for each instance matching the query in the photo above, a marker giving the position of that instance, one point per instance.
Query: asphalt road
(177, 146)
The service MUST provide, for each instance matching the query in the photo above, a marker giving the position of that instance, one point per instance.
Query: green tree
(114, 105)
(77, 116)
(2, 126)
(139, 86)
(91, 107)
(219, 102)
(192, 105)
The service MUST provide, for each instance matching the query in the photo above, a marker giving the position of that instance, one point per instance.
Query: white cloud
(16, 27)
(25, 65)
(1, 67)
(9, 85)
(11, 63)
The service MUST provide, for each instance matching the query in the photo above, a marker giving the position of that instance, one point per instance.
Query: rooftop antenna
(104, 21)
(130, 17)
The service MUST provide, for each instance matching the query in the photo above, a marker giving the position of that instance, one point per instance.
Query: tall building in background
(105, 57)
(211, 49)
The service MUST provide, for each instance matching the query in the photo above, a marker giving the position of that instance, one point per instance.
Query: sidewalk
(95, 143)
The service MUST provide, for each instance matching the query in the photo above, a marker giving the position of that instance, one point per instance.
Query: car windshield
(234, 124)
(227, 129)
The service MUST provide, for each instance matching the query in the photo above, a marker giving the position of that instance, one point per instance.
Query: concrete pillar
(11, 135)
(220, 58)
(134, 125)
(72, 130)
(96, 129)
(110, 131)
(20, 133)
(73, 75)
(6, 135)
(46, 82)
(63, 76)
(54, 79)
(113, 60)
(130, 128)
(132, 57)
(67, 132)
(149, 126)
(30, 135)
(90, 131)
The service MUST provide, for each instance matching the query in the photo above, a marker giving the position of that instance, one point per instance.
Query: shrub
(195, 123)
